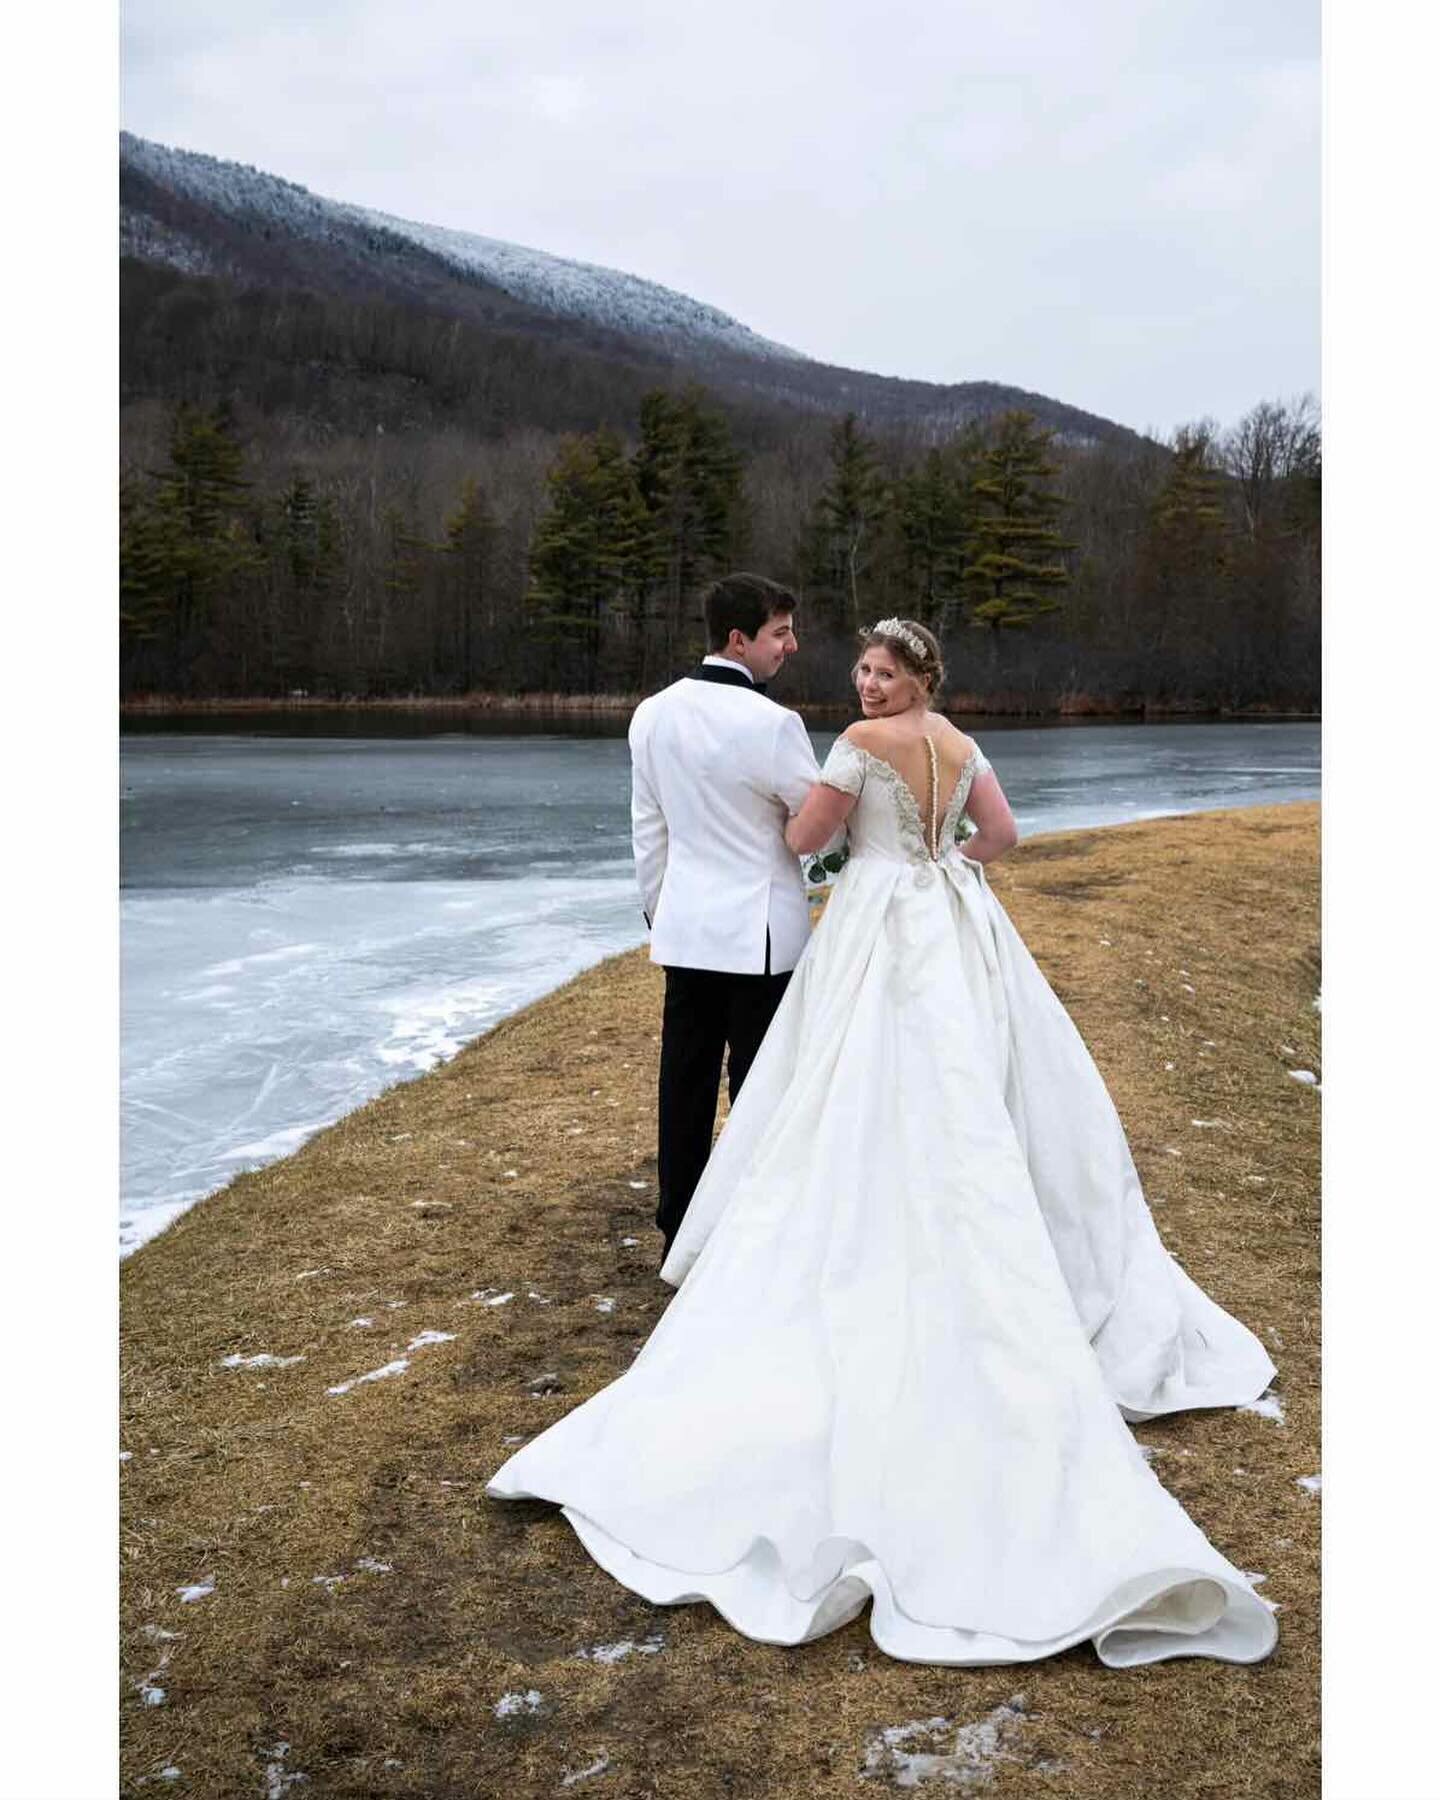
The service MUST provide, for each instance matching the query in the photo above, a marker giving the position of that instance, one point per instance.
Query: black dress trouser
(705, 1010)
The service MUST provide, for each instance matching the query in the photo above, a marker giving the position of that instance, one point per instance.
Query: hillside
(246, 232)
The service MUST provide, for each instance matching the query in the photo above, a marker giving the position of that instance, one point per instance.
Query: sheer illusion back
(888, 820)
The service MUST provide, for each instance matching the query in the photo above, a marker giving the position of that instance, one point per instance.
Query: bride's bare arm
(989, 811)
(824, 811)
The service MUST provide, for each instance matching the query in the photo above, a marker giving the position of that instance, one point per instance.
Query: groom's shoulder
(658, 702)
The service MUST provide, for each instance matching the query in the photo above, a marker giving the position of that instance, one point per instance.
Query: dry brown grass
(386, 1682)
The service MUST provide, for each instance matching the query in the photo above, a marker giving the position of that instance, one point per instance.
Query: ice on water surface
(308, 920)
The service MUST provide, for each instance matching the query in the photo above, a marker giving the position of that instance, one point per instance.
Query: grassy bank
(371, 1622)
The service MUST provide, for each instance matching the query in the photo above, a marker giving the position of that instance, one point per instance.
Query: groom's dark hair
(742, 602)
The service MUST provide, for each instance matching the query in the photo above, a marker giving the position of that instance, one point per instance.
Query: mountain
(226, 228)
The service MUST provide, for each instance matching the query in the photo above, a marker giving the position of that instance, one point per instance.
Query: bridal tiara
(901, 632)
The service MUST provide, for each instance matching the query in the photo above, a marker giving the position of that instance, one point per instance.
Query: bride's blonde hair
(914, 646)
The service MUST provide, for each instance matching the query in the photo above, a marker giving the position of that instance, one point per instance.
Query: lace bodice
(887, 820)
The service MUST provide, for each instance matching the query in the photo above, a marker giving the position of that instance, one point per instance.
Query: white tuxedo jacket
(716, 771)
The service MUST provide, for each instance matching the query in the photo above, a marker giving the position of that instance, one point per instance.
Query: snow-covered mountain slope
(554, 284)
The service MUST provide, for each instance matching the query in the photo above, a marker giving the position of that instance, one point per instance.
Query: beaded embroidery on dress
(920, 1293)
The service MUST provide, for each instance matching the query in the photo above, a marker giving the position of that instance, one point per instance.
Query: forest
(330, 499)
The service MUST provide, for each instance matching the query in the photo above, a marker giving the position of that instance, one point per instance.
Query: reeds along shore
(323, 1363)
(960, 705)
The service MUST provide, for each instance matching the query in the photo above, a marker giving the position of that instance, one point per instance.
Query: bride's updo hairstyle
(914, 646)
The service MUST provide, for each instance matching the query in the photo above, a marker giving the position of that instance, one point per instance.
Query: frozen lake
(305, 920)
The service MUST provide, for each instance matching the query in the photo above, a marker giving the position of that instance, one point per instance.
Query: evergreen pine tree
(1184, 558)
(1014, 555)
(933, 521)
(689, 478)
(587, 556)
(844, 530)
(186, 538)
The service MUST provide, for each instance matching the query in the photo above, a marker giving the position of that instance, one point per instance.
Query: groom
(717, 769)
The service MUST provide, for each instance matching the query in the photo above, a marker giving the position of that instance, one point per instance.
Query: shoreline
(608, 706)
(175, 1209)
(310, 1559)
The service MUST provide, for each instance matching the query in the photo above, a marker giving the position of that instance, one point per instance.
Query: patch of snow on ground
(276, 1778)
(508, 1705)
(125, 1455)
(598, 1767)
(970, 1760)
(398, 1367)
(614, 1653)
(637, 1185)
(603, 1304)
(150, 1694)
(196, 1591)
(426, 1338)
(169, 1773)
(1268, 1406)
(488, 1297)
(263, 1361)
(372, 1567)
(629, 1243)
(361, 1324)
(1309, 1483)
(1307, 1076)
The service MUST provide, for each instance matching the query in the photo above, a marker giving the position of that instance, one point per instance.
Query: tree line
(257, 561)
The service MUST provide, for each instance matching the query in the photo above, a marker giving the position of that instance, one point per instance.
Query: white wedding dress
(920, 1292)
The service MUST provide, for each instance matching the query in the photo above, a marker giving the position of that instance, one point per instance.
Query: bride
(920, 1291)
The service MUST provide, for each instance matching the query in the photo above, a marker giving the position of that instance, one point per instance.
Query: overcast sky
(1113, 202)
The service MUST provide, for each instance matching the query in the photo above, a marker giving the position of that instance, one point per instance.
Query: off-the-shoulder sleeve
(844, 767)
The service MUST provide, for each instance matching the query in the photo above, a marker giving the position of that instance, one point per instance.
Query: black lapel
(727, 677)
